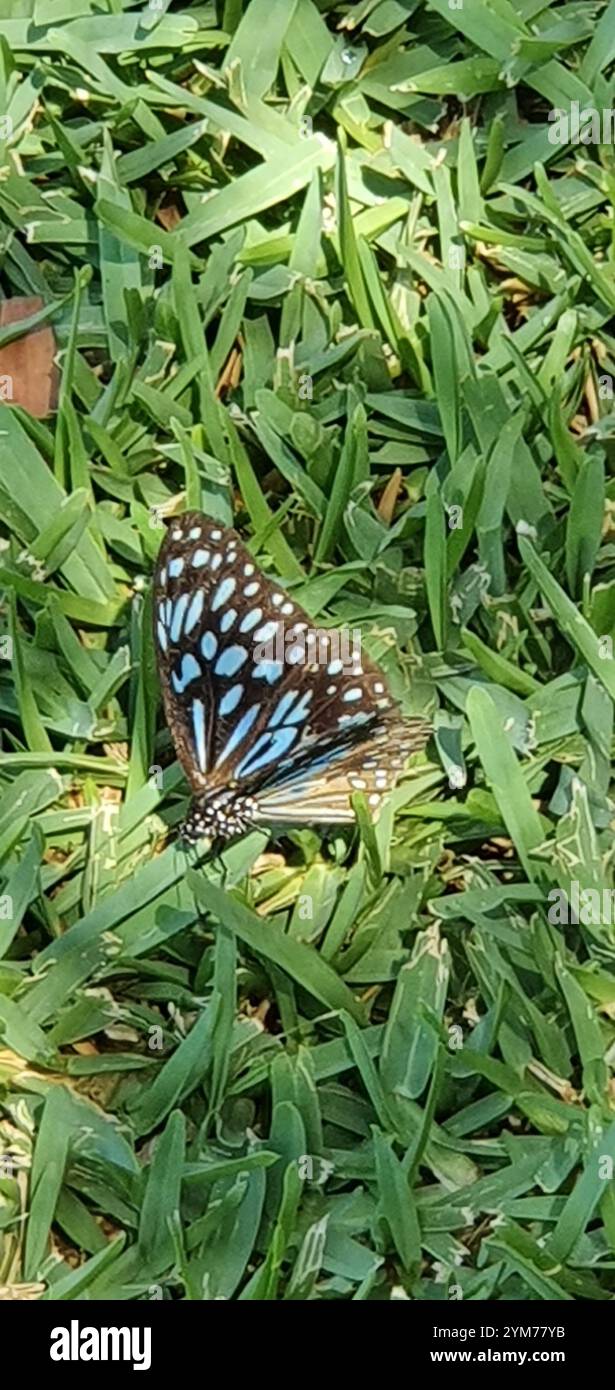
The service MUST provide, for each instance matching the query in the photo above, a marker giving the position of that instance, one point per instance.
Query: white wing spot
(200, 558)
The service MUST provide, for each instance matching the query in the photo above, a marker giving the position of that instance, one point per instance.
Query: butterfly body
(270, 723)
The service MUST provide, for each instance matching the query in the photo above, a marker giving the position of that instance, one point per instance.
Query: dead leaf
(230, 374)
(169, 216)
(28, 373)
(388, 501)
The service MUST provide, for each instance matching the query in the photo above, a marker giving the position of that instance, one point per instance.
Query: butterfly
(270, 724)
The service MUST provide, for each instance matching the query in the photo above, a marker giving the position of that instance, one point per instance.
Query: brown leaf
(28, 373)
(169, 216)
(388, 500)
(230, 374)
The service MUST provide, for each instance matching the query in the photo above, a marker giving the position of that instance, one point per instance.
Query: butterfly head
(220, 815)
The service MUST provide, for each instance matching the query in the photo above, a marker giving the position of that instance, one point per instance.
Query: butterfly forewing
(260, 706)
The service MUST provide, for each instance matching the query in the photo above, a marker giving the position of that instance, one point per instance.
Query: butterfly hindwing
(259, 704)
(320, 790)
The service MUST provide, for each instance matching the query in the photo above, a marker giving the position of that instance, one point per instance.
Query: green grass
(373, 328)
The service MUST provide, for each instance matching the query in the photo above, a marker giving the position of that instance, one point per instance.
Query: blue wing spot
(296, 653)
(281, 710)
(162, 636)
(268, 671)
(334, 667)
(231, 700)
(230, 661)
(190, 670)
(194, 534)
(162, 578)
(359, 718)
(354, 694)
(198, 724)
(301, 710)
(251, 589)
(228, 619)
(250, 620)
(223, 593)
(215, 535)
(216, 562)
(239, 733)
(200, 558)
(266, 632)
(175, 568)
(209, 645)
(194, 611)
(273, 747)
(179, 610)
(168, 609)
(295, 779)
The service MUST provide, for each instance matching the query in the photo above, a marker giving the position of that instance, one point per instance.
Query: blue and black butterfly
(269, 728)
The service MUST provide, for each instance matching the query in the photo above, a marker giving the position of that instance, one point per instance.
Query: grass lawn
(342, 276)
